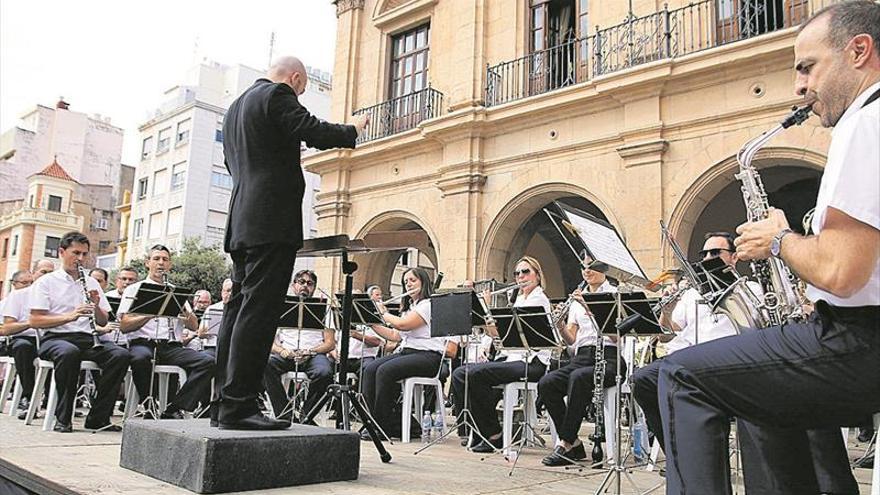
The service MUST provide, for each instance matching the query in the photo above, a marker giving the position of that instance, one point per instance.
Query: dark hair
(126, 268)
(424, 292)
(71, 237)
(726, 235)
(103, 272)
(850, 19)
(158, 247)
(18, 274)
(308, 272)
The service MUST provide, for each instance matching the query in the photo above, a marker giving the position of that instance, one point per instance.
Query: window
(52, 244)
(103, 245)
(164, 140)
(15, 245)
(147, 147)
(54, 203)
(155, 228)
(175, 218)
(5, 247)
(409, 62)
(183, 128)
(101, 224)
(142, 187)
(218, 135)
(31, 200)
(160, 182)
(138, 228)
(178, 176)
(221, 180)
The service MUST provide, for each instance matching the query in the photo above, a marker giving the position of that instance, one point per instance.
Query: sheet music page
(605, 244)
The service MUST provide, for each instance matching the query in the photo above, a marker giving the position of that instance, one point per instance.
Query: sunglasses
(713, 252)
(302, 281)
(524, 271)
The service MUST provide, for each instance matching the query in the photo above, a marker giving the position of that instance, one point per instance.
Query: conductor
(262, 132)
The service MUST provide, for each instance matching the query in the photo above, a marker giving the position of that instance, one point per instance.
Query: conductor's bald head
(291, 71)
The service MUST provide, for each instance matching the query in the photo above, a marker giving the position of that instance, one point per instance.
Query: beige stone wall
(654, 142)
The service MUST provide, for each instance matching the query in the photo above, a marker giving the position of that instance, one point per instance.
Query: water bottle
(640, 439)
(427, 423)
(438, 425)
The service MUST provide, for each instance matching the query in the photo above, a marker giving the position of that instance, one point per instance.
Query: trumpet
(96, 342)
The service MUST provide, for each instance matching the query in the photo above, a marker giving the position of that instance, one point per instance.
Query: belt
(153, 342)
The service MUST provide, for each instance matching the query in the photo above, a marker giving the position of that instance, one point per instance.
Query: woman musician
(576, 379)
(418, 354)
(509, 367)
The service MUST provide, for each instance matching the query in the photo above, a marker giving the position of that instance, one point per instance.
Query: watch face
(774, 246)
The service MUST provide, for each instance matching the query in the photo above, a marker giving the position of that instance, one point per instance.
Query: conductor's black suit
(262, 134)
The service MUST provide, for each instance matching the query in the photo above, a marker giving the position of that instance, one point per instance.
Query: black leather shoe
(171, 415)
(62, 427)
(103, 427)
(577, 453)
(254, 422)
(557, 458)
(485, 447)
(24, 403)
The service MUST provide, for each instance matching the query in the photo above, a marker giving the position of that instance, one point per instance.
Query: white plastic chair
(510, 399)
(163, 373)
(10, 380)
(414, 397)
(45, 370)
(610, 417)
(302, 382)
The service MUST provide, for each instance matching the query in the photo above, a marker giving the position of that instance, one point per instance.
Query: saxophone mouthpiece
(797, 116)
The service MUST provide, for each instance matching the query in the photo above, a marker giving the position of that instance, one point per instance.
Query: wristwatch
(776, 243)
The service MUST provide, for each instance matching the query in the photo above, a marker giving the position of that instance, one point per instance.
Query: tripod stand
(341, 389)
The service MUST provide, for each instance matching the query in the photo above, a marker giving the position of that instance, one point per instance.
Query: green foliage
(194, 267)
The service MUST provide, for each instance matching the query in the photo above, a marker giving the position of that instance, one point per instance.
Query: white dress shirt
(59, 293)
(850, 185)
(212, 320)
(305, 339)
(115, 335)
(586, 331)
(420, 338)
(356, 348)
(159, 328)
(17, 305)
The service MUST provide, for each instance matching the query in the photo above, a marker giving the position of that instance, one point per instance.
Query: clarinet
(598, 435)
(96, 342)
(168, 319)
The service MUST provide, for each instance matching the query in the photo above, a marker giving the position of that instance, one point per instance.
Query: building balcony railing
(34, 215)
(639, 40)
(401, 114)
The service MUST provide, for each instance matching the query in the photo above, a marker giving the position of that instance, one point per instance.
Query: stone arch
(521, 227)
(398, 228)
(783, 171)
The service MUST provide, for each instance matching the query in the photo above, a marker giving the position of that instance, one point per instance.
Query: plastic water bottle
(438, 425)
(640, 439)
(427, 423)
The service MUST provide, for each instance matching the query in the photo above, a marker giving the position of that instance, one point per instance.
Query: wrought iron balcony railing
(638, 40)
(401, 113)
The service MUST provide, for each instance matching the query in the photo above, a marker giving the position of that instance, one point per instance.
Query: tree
(194, 267)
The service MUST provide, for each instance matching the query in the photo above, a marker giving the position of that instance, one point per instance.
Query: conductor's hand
(361, 122)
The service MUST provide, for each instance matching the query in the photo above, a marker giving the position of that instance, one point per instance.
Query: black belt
(154, 342)
(855, 314)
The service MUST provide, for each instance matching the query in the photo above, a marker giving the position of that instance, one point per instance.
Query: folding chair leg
(49, 420)
(406, 419)
(163, 392)
(37, 395)
(507, 417)
(9, 378)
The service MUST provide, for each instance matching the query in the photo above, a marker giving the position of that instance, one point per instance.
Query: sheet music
(605, 244)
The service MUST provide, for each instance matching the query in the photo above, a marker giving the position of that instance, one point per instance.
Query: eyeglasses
(524, 271)
(302, 281)
(715, 252)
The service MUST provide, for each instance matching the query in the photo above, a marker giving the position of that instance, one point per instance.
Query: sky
(117, 58)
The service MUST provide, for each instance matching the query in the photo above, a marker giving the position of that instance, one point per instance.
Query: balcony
(34, 215)
(401, 114)
(662, 35)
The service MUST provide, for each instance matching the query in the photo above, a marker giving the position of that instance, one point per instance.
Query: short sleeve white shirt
(17, 305)
(420, 338)
(59, 293)
(159, 328)
(536, 297)
(586, 330)
(851, 184)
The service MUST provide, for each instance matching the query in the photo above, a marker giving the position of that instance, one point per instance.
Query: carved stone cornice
(332, 205)
(343, 6)
(643, 153)
(468, 182)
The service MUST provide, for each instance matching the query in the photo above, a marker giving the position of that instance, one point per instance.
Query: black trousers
(24, 350)
(381, 390)
(760, 470)
(198, 365)
(482, 397)
(785, 380)
(67, 351)
(260, 276)
(574, 380)
(318, 368)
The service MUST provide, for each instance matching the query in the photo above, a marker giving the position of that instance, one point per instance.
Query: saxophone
(783, 293)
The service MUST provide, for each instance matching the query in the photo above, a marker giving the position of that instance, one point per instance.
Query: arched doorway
(791, 187)
(384, 268)
(523, 228)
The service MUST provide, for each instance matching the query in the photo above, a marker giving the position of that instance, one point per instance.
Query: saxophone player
(819, 373)
(576, 379)
(57, 309)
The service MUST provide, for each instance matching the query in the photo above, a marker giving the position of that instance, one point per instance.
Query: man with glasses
(16, 323)
(149, 335)
(124, 277)
(300, 350)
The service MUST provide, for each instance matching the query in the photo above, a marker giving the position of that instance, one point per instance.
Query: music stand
(529, 328)
(301, 314)
(364, 310)
(457, 313)
(212, 319)
(341, 246)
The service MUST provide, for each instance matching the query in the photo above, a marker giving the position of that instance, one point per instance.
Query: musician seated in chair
(212, 320)
(68, 307)
(576, 379)
(509, 366)
(418, 354)
(301, 351)
(162, 336)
